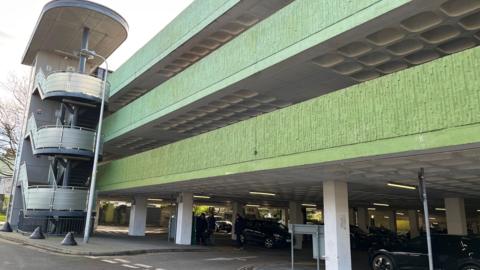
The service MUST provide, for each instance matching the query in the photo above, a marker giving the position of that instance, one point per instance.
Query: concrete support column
(97, 215)
(351, 216)
(236, 209)
(414, 225)
(456, 219)
(337, 229)
(284, 216)
(363, 220)
(295, 217)
(184, 219)
(138, 217)
(392, 221)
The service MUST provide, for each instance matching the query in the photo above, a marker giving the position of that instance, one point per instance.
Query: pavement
(103, 244)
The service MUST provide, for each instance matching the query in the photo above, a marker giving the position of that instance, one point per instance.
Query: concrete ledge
(100, 246)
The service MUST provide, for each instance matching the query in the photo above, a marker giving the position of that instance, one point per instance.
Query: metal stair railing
(59, 136)
(51, 197)
(69, 82)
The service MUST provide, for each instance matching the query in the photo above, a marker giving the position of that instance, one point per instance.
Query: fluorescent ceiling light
(252, 205)
(401, 186)
(386, 217)
(432, 218)
(478, 210)
(440, 209)
(262, 193)
(372, 209)
(309, 205)
(201, 197)
(156, 200)
(381, 204)
(400, 213)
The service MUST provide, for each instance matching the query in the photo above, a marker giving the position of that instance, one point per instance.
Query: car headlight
(277, 236)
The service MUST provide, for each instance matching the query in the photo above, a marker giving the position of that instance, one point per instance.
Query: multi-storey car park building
(321, 102)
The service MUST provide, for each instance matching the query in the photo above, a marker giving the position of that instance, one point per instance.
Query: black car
(359, 239)
(450, 252)
(270, 234)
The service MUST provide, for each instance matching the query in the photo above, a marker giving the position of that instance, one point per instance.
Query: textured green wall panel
(432, 105)
(194, 18)
(296, 27)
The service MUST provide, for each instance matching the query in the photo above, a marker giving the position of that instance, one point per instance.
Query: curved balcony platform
(51, 197)
(61, 140)
(77, 86)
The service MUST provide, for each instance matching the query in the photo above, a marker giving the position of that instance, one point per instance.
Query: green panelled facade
(293, 29)
(428, 106)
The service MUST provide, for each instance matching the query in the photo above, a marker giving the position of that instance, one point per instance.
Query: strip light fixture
(440, 209)
(309, 205)
(381, 204)
(262, 193)
(391, 184)
(201, 197)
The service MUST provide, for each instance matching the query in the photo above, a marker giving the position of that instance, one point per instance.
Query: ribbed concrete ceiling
(410, 35)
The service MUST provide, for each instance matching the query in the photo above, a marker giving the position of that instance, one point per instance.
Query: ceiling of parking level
(448, 173)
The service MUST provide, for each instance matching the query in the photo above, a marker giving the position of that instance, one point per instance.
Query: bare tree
(12, 108)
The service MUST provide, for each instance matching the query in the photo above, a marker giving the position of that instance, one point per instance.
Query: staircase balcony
(71, 84)
(65, 140)
(51, 197)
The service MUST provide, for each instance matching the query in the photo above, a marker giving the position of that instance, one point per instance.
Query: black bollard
(6, 227)
(37, 234)
(69, 240)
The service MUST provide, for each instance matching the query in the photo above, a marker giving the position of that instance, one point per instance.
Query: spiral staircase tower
(55, 159)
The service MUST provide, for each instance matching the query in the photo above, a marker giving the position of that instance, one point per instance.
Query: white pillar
(456, 220)
(295, 217)
(284, 216)
(337, 229)
(184, 219)
(97, 215)
(413, 221)
(392, 221)
(138, 217)
(235, 210)
(363, 219)
(351, 216)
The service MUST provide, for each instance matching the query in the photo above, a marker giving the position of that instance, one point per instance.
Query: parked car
(223, 226)
(450, 252)
(270, 234)
(359, 239)
(385, 238)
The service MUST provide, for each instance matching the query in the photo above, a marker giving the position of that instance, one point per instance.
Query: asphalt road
(15, 257)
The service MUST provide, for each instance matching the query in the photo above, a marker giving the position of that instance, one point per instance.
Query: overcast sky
(18, 17)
